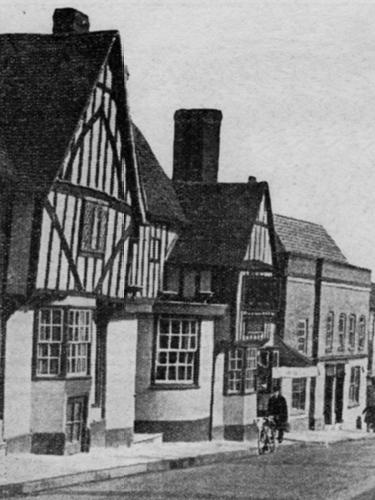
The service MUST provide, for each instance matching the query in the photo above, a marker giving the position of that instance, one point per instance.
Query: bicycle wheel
(272, 440)
(262, 444)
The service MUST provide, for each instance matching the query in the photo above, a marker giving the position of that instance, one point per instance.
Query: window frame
(329, 331)
(362, 332)
(247, 371)
(303, 335)
(95, 206)
(63, 371)
(166, 383)
(354, 386)
(341, 332)
(299, 394)
(352, 331)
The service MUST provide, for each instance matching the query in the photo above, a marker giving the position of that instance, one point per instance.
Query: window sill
(59, 378)
(353, 405)
(173, 387)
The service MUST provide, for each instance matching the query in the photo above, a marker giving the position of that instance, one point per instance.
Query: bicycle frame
(266, 435)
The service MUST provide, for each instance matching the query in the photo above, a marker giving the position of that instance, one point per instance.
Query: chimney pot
(68, 20)
(252, 179)
(196, 145)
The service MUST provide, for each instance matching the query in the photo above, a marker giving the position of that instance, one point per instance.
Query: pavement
(22, 474)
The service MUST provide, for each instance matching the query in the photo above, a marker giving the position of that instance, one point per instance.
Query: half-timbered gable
(80, 194)
(155, 241)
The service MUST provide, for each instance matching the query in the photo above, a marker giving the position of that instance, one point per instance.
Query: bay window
(63, 341)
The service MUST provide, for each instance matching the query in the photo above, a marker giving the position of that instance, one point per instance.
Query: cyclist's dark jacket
(277, 407)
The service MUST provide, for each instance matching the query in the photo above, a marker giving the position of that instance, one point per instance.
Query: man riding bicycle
(277, 408)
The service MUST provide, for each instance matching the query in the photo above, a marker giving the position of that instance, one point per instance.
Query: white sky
(295, 81)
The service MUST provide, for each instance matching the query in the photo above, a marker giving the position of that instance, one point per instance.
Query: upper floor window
(94, 223)
(352, 328)
(341, 332)
(63, 342)
(361, 333)
(257, 326)
(176, 352)
(241, 370)
(329, 331)
(302, 333)
(155, 249)
(259, 292)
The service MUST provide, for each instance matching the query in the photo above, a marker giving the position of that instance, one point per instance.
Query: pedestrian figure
(277, 408)
(369, 412)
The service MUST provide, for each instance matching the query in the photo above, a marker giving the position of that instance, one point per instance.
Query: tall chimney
(68, 20)
(196, 145)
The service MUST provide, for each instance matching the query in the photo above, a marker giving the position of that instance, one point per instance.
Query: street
(341, 471)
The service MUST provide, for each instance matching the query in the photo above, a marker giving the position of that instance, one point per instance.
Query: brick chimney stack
(68, 20)
(196, 145)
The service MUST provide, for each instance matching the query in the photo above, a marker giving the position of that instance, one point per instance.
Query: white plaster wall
(121, 356)
(17, 404)
(179, 404)
(250, 408)
(218, 408)
(48, 403)
(233, 410)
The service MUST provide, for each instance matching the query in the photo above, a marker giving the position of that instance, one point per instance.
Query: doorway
(334, 394)
(76, 422)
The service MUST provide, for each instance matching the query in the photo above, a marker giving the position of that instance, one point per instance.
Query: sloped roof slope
(288, 355)
(299, 236)
(45, 83)
(220, 220)
(160, 197)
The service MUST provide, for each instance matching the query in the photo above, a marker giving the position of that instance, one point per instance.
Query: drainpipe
(212, 396)
(318, 292)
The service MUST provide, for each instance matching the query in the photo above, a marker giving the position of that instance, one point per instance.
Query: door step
(139, 438)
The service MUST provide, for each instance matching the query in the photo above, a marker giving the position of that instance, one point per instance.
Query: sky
(295, 81)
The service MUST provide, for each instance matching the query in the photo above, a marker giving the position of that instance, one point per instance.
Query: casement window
(352, 328)
(302, 332)
(355, 376)
(155, 249)
(63, 341)
(94, 223)
(257, 326)
(341, 332)
(50, 337)
(361, 333)
(329, 331)
(298, 393)
(205, 281)
(79, 338)
(172, 279)
(176, 351)
(241, 370)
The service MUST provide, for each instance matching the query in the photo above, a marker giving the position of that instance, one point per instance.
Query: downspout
(212, 395)
(317, 299)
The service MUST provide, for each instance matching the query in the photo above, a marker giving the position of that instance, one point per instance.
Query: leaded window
(298, 393)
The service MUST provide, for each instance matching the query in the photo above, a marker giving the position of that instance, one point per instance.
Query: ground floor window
(63, 341)
(298, 393)
(176, 351)
(355, 376)
(241, 370)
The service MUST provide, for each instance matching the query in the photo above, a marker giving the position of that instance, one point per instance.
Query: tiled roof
(221, 217)
(299, 236)
(160, 197)
(288, 355)
(45, 83)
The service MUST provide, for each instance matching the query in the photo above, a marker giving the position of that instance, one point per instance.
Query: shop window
(176, 354)
(361, 333)
(355, 375)
(298, 393)
(302, 331)
(352, 328)
(94, 223)
(241, 370)
(341, 332)
(329, 331)
(63, 342)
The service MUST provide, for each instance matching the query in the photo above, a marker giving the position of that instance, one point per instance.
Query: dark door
(76, 418)
(328, 393)
(339, 392)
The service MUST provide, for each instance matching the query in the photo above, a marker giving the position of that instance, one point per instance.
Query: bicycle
(266, 434)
